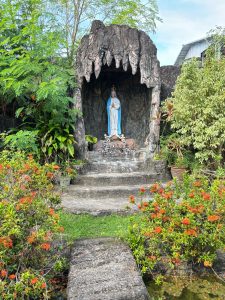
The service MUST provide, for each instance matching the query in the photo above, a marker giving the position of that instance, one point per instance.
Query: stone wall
(169, 76)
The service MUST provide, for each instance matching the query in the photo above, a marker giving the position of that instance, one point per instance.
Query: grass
(79, 226)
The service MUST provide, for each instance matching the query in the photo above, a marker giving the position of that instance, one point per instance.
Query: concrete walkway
(104, 269)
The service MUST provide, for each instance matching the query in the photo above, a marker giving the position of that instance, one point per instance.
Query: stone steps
(116, 179)
(105, 191)
(117, 166)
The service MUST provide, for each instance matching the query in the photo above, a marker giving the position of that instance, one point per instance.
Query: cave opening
(135, 99)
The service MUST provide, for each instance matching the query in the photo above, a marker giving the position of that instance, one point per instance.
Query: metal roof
(185, 48)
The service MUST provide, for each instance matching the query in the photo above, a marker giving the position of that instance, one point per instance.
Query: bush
(183, 222)
(28, 227)
(196, 109)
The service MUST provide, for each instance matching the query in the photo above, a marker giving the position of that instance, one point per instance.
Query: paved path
(104, 269)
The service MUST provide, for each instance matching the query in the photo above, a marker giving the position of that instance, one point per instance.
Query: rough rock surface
(104, 269)
(169, 76)
(127, 46)
(130, 143)
(127, 58)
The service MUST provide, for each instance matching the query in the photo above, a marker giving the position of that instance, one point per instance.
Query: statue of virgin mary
(114, 115)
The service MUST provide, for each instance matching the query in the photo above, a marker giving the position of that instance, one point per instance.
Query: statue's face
(113, 94)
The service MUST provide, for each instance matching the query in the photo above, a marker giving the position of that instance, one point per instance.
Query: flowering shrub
(28, 225)
(183, 222)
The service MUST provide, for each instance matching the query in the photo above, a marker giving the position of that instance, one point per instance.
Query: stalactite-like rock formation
(127, 46)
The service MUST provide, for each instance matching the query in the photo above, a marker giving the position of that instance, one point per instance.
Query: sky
(185, 21)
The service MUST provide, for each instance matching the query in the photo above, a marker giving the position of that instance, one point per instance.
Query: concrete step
(98, 206)
(104, 191)
(96, 156)
(104, 269)
(116, 179)
(118, 166)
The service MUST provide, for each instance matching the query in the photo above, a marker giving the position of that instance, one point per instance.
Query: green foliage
(198, 108)
(183, 223)
(57, 143)
(91, 139)
(23, 140)
(28, 228)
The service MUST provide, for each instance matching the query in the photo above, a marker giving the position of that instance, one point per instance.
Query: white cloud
(181, 25)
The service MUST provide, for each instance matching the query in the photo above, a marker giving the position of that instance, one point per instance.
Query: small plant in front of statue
(29, 228)
(183, 223)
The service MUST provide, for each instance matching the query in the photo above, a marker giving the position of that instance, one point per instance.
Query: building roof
(185, 48)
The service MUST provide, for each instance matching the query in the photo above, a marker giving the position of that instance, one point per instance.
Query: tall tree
(75, 16)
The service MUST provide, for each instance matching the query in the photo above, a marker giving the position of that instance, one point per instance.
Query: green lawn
(77, 226)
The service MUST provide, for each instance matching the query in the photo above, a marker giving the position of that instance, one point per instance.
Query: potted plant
(91, 140)
(65, 174)
(176, 156)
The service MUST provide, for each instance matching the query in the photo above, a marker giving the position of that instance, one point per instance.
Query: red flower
(142, 190)
(197, 183)
(206, 196)
(6, 242)
(139, 206)
(213, 218)
(186, 221)
(51, 211)
(43, 286)
(154, 188)
(192, 195)
(167, 195)
(145, 204)
(158, 229)
(34, 280)
(191, 232)
(3, 273)
(12, 276)
(132, 199)
(56, 167)
(161, 191)
(45, 246)
(1, 167)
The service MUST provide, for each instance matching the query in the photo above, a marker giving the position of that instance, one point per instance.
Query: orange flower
(3, 273)
(132, 199)
(161, 191)
(12, 276)
(45, 246)
(154, 188)
(142, 190)
(43, 286)
(55, 167)
(167, 195)
(145, 204)
(186, 221)
(61, 229)
(51, 211)
(152, 257)
(197, 183)
(206, 196)
(1, 167)
(191, 195)
(191, 232)
(34, 280)
(158, 229)
(139, 206)
(31, 238)
(50, 175)
(213, 218)
(162, 211)
(6, 242)
(207, 264)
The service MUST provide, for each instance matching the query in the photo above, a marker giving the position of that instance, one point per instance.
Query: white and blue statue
(114, 115)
